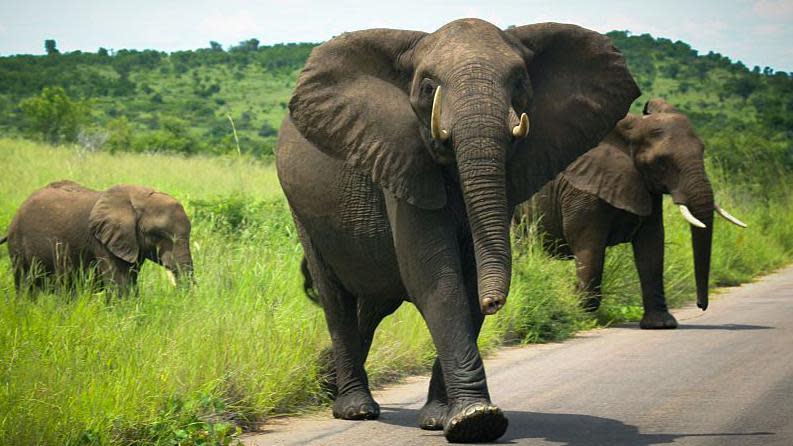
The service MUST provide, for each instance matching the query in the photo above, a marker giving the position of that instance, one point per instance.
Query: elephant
(402, 157)
(65, 229)
(613, 194)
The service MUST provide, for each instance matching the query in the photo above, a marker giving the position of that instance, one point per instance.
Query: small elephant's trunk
(179, 265)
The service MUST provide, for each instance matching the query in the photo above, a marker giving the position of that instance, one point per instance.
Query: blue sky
(754, 32)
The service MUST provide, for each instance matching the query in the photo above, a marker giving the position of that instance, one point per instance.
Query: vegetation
(180, 102)
(195, 366)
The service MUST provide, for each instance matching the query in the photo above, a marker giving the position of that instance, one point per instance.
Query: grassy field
(194, 366)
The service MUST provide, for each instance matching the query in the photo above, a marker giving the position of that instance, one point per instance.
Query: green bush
(53, 116)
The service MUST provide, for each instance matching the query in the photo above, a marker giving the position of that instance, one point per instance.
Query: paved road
(725, 377)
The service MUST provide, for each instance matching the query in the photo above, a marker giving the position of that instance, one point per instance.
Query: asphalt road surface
(724, 377)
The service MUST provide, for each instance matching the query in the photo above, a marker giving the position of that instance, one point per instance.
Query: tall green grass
(193, 366)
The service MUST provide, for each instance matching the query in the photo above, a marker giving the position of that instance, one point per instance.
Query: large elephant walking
(402, 158)
(64, 229)
(612, 195)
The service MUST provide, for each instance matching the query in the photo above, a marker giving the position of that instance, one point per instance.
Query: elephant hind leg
(369, 317)
(354, 400)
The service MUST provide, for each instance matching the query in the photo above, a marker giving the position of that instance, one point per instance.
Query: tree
(120, 134)
(50, 47)
(247, 45)
(214, 46)
(53, 116)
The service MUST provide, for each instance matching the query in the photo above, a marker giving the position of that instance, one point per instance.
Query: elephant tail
(308, 282)
(3, 239)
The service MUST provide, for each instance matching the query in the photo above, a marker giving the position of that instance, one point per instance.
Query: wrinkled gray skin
(387, 213)
(612, 195)
(64, 228)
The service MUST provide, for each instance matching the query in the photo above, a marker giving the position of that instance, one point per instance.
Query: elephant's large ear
(113, 220)
(352, 102)
(608, 172)
(582, 87)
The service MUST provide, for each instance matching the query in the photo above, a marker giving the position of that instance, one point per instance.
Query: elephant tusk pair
(519, 131)
(695, 222)
(435, 121)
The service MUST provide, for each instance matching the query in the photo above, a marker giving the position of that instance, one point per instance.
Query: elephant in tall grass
(65, 229)
(612, 194)
(402, 158)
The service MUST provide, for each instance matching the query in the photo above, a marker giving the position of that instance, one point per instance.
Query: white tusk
(522, 129)
(729, 217)
(171, 277)
(435, 120)
(690, 217)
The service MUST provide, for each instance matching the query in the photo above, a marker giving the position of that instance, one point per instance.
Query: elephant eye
(427, 88)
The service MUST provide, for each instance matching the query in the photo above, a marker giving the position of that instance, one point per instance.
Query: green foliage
(200, 87)
(53, 116)
(120, 134)
(50, 47)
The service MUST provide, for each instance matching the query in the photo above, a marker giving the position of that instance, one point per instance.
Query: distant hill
(180, 101)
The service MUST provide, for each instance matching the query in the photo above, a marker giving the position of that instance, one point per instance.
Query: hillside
(180, 102)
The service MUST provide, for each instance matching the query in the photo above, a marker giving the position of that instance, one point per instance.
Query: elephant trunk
(180, 264)
(696, 193)
(483, 183)
(481, 139)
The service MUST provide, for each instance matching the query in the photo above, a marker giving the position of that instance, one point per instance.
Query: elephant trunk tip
(491, 306)
(702, 303)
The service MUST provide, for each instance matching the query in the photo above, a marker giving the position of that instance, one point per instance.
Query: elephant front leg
(469, 415)
(648, 254)
(433, 415)
(589, 268)
(430, 265)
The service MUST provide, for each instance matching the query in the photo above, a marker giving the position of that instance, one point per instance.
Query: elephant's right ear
(608, 172)
(113, 221)
(581, 86)
(352, 102)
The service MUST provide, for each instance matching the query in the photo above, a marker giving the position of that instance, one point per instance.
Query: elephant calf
(65, 228)
(612, 194)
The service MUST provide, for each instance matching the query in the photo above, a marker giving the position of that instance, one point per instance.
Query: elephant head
(499, 112)
(656, 153)
(136, 223)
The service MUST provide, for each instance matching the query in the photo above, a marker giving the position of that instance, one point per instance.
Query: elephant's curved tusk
(690, 217)
(521, 130)
(435, 121)
(171, 277)
(726, 215)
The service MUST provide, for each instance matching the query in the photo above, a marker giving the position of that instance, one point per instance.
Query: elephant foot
(356, 406)
(655, 320)
(475, 423)
(590, 304)
(433, 415)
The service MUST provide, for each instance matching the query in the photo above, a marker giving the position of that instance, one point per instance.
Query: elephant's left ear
(608, 172)
(114, 218)
(351, 101)
(582, 87)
